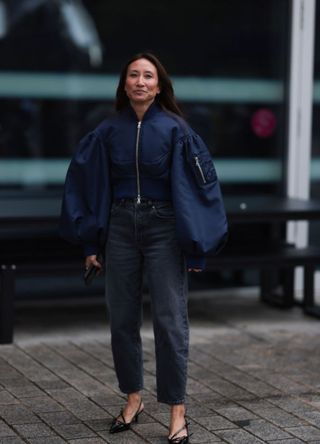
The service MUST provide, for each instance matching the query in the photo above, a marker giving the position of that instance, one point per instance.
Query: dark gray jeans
(142, 238)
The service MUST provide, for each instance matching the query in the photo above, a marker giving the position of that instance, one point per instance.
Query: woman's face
(141, 82)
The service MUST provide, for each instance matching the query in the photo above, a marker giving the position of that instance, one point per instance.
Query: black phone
(92, 271)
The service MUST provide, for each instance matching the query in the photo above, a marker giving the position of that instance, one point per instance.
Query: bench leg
(288, 288)
(267, 288)
(309, 307)
(7, 287)
(265, 285)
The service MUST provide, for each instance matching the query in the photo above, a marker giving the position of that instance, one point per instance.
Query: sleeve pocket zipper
(196, 158)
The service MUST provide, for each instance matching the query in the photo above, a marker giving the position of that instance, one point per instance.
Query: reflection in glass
(60, 61)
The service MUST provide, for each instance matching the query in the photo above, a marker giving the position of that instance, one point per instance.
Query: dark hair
(165, 98)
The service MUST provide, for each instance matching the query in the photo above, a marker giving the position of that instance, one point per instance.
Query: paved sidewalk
(254, 376)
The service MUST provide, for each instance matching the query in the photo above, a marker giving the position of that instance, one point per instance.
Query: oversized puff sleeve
(87, 195)
(200, 214)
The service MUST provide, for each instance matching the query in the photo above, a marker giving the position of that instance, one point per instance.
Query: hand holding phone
(92, 270)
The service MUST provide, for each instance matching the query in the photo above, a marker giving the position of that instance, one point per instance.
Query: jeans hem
(175, 402)
(127, 392)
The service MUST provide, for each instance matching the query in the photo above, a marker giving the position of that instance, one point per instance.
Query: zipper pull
(138, 199)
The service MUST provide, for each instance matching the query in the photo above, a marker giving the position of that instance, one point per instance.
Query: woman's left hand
(197, 270)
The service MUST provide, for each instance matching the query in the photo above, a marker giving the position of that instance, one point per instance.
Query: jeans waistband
(144, 201)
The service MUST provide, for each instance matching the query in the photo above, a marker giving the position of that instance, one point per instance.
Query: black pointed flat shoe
(120, 425)
(181, 439)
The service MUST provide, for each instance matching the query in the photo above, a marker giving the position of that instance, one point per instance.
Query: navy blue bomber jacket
(160, 158)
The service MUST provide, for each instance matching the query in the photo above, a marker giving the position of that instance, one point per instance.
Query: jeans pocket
(163, 211)
(115, 207)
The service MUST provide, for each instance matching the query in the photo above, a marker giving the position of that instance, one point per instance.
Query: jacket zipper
(200, 169)
(137, 163)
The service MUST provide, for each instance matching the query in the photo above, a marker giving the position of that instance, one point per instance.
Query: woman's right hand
(92, 260)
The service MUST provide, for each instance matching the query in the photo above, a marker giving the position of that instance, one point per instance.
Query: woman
(143, 184)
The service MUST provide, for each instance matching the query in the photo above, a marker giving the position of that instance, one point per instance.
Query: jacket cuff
(90, 248)
(196, 262)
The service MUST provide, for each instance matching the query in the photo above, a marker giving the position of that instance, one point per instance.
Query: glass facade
(315, 164)
(315, 159)
(59, 68)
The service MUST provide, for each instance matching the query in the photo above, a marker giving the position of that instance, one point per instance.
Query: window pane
(315, 160)
(60, 62)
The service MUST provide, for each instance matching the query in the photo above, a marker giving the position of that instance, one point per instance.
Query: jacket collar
(153, 109)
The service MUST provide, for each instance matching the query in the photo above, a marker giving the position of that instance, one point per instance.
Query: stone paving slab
(253, 377)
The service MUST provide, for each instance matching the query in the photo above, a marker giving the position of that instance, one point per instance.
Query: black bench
(271, 259)
(268, 259)
(47, 254)
(29, 224)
